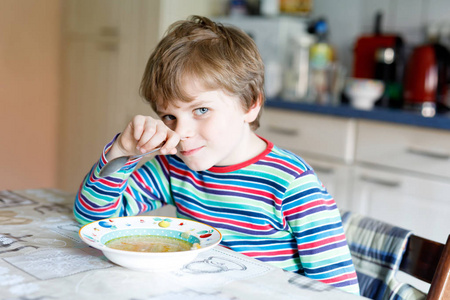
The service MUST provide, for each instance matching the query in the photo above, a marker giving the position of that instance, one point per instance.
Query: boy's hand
(144, 134)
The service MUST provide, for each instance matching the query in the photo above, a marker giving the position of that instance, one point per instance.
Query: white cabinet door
(89, 92)
(411, 202)
(92, 17)
(322, 137)
(419, 150)
(106, 46)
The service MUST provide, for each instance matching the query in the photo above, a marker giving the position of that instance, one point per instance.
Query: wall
(29, 92)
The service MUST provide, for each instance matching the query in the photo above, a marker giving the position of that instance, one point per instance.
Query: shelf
(377, 114)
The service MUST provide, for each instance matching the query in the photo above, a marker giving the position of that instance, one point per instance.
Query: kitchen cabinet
(92, 18)
(409, 201)
(310, 134)
(403, 177)
(106, 46)
(396, 173)
(410, 148)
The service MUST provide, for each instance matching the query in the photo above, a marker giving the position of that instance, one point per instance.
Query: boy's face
(213, 127)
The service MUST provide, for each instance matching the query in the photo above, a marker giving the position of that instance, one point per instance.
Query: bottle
(320, 60)
(296, 71)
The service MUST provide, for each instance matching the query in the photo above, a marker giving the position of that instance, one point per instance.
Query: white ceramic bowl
(363, 93)
(98, 233)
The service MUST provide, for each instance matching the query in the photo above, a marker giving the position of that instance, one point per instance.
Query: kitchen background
(70, 72)
(40, 41)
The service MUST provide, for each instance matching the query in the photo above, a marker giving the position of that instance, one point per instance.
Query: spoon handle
(144, 154)
(118, 162)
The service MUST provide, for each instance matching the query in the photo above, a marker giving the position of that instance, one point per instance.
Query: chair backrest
(429, 261)
(380, 249)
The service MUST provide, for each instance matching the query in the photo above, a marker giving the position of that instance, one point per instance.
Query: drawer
(310, 134)
(404, 147)
(411, 202)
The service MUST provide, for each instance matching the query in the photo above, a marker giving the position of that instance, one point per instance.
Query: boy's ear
(253, 112)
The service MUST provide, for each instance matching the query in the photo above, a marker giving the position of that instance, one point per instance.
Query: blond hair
(218, 56)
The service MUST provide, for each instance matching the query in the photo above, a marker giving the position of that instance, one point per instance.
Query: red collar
(226, 169)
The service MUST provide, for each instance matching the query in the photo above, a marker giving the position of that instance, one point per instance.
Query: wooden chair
(429, 261)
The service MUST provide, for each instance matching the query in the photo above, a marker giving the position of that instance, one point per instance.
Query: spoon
(118, 162)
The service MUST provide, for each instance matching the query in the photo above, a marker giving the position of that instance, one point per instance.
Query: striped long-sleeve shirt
(272, 208)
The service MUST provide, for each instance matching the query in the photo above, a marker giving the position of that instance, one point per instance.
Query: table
(42, 257)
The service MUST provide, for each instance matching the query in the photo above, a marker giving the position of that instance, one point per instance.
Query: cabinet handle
(379, 181)
(109, 31)
(428, 153)
(283, 131)
(108, 46)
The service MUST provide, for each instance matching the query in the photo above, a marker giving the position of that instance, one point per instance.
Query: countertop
(439, 121)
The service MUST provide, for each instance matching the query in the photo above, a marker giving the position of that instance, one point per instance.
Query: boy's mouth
(191, 151)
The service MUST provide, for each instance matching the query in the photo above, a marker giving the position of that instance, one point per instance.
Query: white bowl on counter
(363, 93)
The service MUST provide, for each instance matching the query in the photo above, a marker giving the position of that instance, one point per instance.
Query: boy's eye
(201, 111)
(168, 117)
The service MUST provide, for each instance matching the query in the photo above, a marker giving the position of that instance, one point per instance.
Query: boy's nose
(185, 129)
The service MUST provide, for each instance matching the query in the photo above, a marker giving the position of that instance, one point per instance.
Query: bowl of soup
(150, 243)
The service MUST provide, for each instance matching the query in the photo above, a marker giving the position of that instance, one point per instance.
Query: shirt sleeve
(315, 221)
(126, 192)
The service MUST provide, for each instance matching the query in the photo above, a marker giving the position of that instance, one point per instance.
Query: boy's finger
(171, 143)
(157, 139)
(149, 130)
(138, 124)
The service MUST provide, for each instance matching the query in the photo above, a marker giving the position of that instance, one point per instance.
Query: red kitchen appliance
(366, 48)
(380, 56)
(426, 77)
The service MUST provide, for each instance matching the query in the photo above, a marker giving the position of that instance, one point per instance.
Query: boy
(205, 82)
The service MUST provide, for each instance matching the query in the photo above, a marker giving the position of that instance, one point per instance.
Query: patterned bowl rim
(98, 245)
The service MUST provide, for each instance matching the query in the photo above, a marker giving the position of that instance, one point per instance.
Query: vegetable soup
(149, 243)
